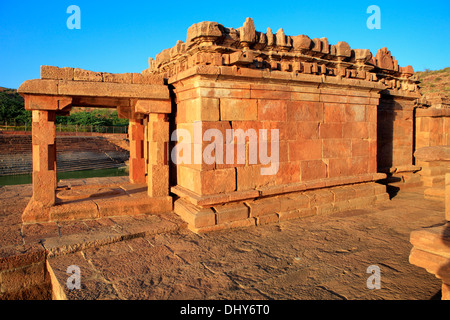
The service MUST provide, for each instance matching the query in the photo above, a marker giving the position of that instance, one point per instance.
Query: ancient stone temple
(236, 128)
(291, 127)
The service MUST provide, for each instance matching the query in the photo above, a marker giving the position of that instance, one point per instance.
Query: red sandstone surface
(156, 257)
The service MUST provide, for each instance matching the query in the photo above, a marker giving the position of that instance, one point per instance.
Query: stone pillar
(430, 245)
(447, 196)
(137, 161)
(158, 155)
(145, 122)
(44, 157)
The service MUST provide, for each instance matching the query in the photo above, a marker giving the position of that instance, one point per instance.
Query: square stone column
(447, 196)
(158, 155)
(137, 161)
(44, 157)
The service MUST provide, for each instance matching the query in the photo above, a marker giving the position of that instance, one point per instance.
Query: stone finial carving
(207, 30)
(270, 38)
(281, 38)
(343, 49)
(363, 55)
(211, 44)
(301, 42)
(384, 59)
(247, 32)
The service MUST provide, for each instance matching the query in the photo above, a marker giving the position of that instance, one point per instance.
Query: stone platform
(157, 257)
(97, 198)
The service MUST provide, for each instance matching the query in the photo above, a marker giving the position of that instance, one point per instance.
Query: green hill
(12, 107)
(436, 82)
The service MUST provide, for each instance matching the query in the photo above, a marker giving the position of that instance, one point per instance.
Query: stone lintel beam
(148, 106)
(94, 89)
(47, 102)
(99, 102)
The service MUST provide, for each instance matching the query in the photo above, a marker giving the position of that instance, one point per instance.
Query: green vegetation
(11, 107)
(12, 111)
(95, 117)
(435, 81)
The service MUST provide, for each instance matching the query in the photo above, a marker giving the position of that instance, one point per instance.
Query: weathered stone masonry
(345, 120)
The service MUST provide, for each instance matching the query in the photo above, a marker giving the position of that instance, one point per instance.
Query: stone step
(435, 240)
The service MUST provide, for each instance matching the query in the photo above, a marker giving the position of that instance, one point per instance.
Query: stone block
(196, 217)
(158, 153)
(198, 109)
(358, 130)
(231, 212)
(86, 75)
(307, 130)
(137, 170)
(207, 182)
(333, 98)
(320, 197)
(44, 182)
(297, 213)
(337, 148)
(304, 111)
(343, 193)
(294, 202)
(117, 77)
(334, 112)
(272, 110)
(77, 210)
(153, 106)
(249, 177)
(24, 277)
(447, 196)
(51, 72)
(313, 169)
(158, 131)
(186, 154)
(238, 109)
(223, 93)
(331, 130)
(360, 148)
(266, 219)
(158, 180)
(261, 207)
(307, 149)
(270, 94)
(433, 263)
(339, 167)
(288, 172)
(355, 112)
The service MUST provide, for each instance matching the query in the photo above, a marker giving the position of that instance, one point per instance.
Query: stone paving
(322, 257)
(157, 257)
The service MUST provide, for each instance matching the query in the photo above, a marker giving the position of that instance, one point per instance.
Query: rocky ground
(321, 257)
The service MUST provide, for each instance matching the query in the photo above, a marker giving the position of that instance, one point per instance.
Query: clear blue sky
(119, 36)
